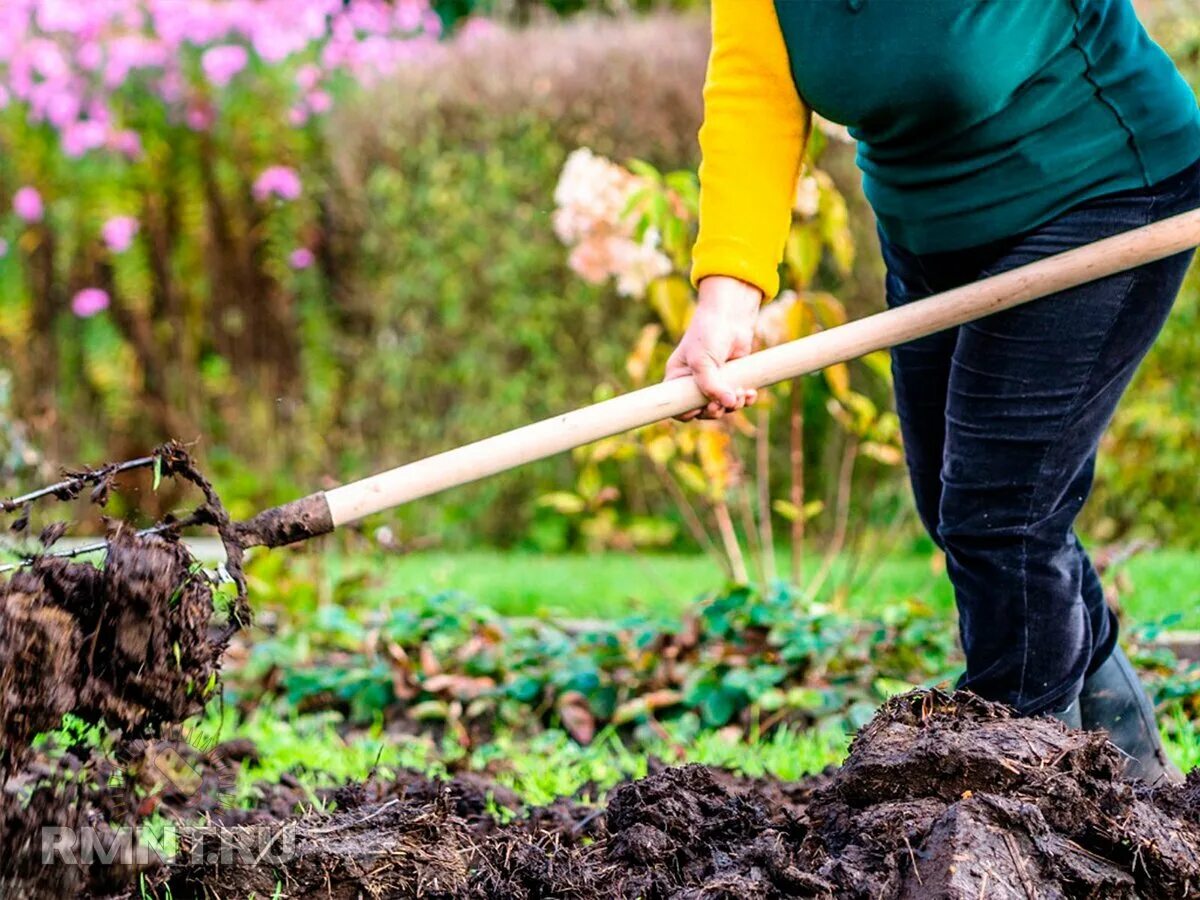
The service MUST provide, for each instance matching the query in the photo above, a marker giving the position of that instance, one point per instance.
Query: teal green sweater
(980, 119)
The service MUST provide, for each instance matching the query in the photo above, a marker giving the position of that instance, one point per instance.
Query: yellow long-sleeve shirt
(752, 142)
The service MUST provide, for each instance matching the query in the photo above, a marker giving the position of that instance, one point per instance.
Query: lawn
(1157, 584)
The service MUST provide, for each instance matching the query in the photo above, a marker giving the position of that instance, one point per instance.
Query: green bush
(1146, 473)
(466, 320)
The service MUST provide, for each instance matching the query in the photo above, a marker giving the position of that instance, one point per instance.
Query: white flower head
(771, 328)
(808, 197)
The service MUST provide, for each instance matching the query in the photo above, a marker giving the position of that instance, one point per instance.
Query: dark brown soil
(132, 644)
(942, 798)
(128, 644)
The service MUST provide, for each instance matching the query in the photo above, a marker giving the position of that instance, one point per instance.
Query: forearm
(752, 142)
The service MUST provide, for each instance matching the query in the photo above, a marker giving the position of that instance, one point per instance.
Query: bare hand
(722, 329)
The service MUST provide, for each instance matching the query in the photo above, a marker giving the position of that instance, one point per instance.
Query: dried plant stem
(841, 517)
(733, 549)
(750, 527)
(762, 476)
(741, 485)
(796, 457)
(690, 518)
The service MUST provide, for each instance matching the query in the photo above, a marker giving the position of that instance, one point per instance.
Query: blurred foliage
(439, 308)
(464, 317)
(1146, 473)
(638, 226)
(746, 660)
(756, 660)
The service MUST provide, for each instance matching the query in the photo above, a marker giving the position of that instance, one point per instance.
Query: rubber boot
(1069, 715)
(1114, 701)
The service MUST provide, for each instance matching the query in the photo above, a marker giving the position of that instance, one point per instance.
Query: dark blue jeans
(1001, 421)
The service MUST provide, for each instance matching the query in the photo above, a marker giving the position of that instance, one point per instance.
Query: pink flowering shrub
(27, 204)
(277, 181)
(161, 161)
(88, 302)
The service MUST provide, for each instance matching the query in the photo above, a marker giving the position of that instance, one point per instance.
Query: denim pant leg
(921, 379)
(1028, 395)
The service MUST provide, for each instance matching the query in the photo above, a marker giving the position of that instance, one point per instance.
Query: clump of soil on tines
(943, 797)
(128, 643)
(131, 643)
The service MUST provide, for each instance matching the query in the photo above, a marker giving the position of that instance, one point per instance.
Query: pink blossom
(408, 14)
(275, 44)
(118, 233)
(308, 77)
(301, 258)
(90, 56)
(297, 116)
(27, 204)
(277, 181)
(127, 143)
(57, 102)
(319, 102)
(70, 16)
(222, 63)
(80, 137)
(130, 53)
(431, 24)
(199, 117)
(475, 29)
(67, 58)
(89, 301)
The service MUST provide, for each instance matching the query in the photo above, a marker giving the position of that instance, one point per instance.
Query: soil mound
(128, 644)
(943, 797)
(946, 796)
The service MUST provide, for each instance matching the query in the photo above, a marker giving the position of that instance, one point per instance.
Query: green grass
(613, 585)
(548, 765)
(538, 769)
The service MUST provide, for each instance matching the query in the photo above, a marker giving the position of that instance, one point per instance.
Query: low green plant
(758, 660)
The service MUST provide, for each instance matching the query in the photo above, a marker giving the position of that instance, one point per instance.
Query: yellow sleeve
(751, 143)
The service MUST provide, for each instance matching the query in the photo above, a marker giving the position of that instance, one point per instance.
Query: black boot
(1114, 701)
(1069, 715)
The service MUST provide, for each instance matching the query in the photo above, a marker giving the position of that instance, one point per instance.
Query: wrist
(728, 291)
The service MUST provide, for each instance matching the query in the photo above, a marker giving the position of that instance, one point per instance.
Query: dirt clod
(127, 644)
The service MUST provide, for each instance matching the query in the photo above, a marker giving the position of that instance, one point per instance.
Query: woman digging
(991, 133)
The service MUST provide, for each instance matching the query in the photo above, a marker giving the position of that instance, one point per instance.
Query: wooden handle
(644, 407)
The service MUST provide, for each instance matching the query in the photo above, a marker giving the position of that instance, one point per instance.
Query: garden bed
(942, 796)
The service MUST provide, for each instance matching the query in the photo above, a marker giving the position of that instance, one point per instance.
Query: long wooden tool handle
(323, 512)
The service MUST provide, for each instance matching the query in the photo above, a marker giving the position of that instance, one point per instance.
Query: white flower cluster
(772, 327)
(808, 197)
(592, 197)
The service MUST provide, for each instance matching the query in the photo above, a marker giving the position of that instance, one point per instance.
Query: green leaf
(692, 476)
(157, 473)
(803, 255)
(643, 169)
(563, 502)
(717, 707)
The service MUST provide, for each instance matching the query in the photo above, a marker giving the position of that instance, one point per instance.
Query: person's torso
(979, 118)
